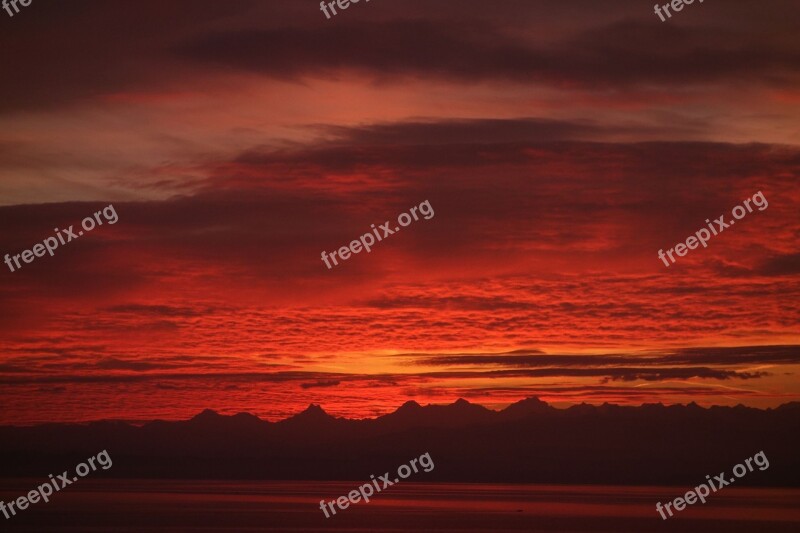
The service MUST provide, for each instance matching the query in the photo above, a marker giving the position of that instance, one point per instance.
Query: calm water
(89, 506)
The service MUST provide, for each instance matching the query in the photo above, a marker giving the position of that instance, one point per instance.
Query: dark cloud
(137, 366)
(787, 355)
(254, 377)
(9, 368)
(334, 379)
(614, 373)
(781, 265)
(779, 355)
(322, 383)
(605, 390)
(519, 197)
(694, 55)
(412, 146)
(66, 52)
(158, 310)
(475, 51)
(455, 132)
(89, 48)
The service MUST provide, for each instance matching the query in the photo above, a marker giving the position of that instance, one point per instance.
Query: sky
(560, 145)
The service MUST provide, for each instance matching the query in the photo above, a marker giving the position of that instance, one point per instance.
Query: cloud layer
(560, 146)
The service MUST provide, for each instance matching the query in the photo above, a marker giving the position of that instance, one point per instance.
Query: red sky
(561, 146)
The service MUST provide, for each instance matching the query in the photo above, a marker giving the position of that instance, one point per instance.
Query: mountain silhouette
(527, 442)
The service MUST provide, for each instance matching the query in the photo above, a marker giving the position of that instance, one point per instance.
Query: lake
(149, 506)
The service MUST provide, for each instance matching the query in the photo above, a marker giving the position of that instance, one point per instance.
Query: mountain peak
(527, 406)
(314, 413)
(532, 401)
(246, 417)
(207, 414)
(410, 406)
(315, 408)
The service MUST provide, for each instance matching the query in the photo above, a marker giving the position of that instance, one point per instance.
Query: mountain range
(527, 442)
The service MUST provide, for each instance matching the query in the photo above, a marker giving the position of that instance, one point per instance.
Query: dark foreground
(167, 506)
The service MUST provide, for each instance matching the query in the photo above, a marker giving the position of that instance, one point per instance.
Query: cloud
(322, 383)
(157, 310)
(462, 131)
(141, 377)
(616, 373)
(159, 47)
(65, 54)
(736, 355)
(238, 140)
(781, 265)
(335, 379)
(470, 50)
